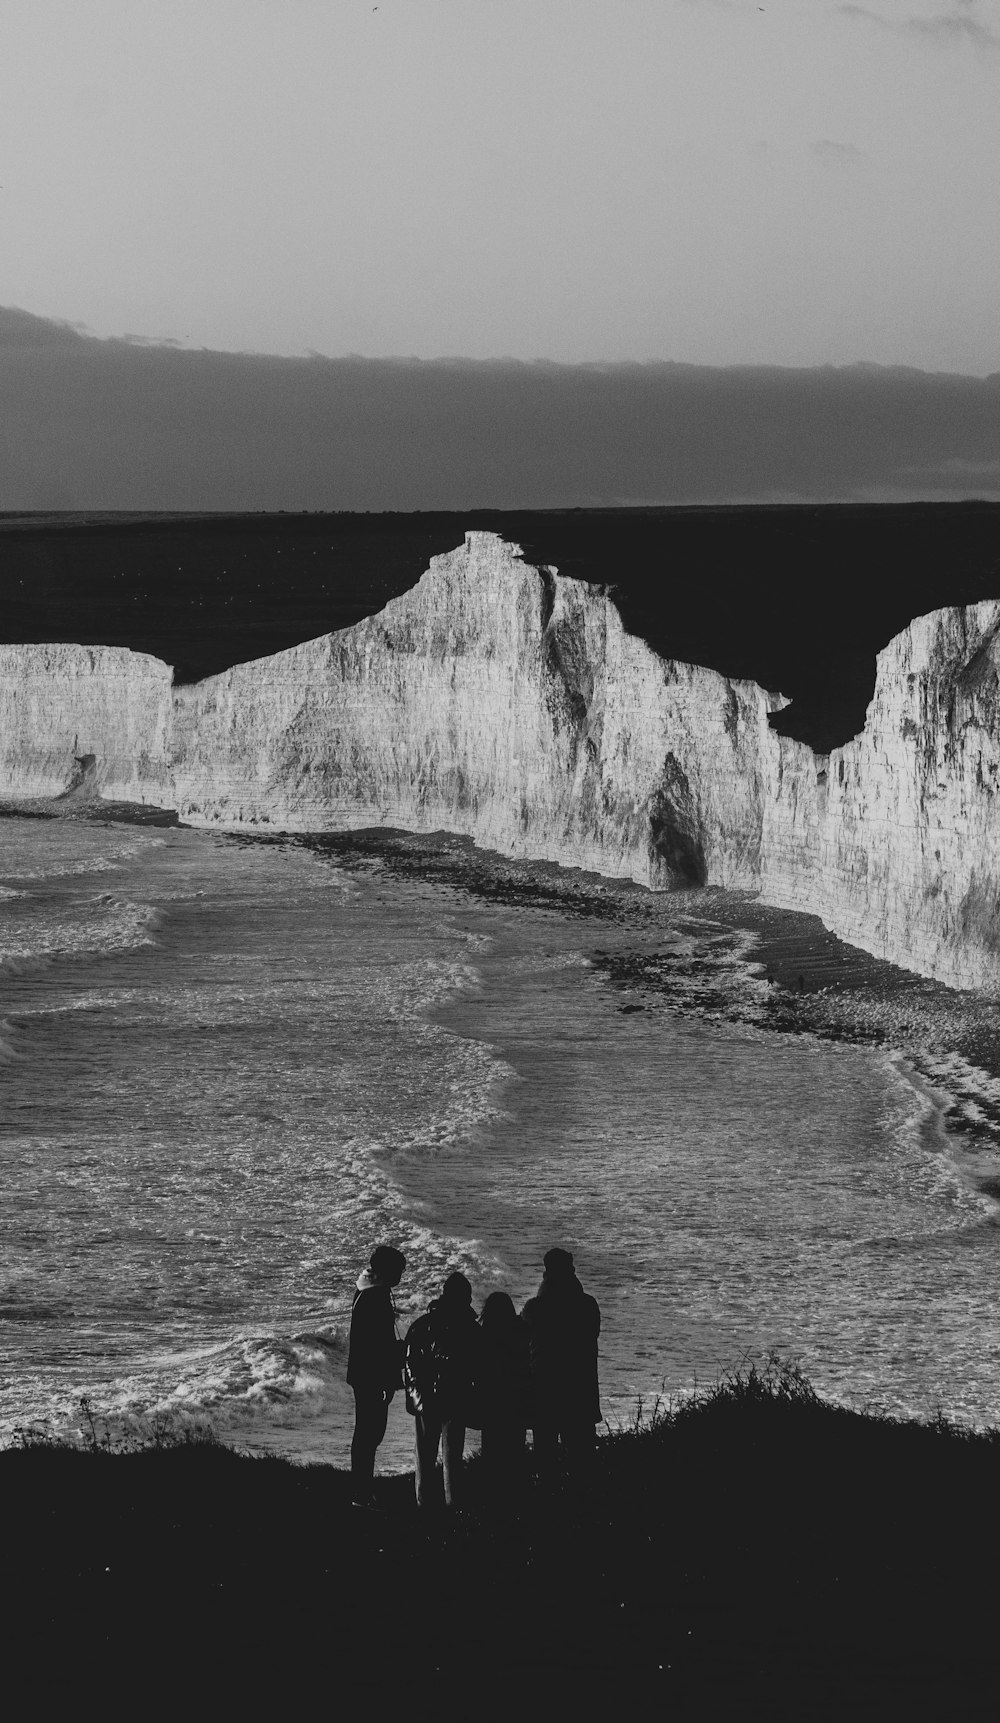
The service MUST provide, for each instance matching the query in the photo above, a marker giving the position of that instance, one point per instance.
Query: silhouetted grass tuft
(99, 1433)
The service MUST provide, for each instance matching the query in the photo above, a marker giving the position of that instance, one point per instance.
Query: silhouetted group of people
(500, 1373)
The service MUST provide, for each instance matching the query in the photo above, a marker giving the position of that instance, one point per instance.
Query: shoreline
(740, 967)
(819, 985)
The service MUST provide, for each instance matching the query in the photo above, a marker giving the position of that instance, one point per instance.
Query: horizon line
(82, 332)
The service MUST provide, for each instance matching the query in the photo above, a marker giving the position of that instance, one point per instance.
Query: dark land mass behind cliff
(798, 598)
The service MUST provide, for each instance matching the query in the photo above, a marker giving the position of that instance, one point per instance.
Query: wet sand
(816, 984)
(819, 984)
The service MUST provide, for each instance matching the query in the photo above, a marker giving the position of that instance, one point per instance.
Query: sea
(229, 1068)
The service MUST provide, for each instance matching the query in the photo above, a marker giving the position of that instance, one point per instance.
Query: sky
(486, 253)
(713, 182)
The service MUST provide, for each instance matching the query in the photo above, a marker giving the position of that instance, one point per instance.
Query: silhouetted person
(503, 1381)
(438, 1371)
(563, 1324)
(374, 1363)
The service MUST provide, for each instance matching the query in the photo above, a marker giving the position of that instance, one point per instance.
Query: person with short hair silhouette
(438, 1371)
(374, 1363)
(503, 1394)
(563, 1324)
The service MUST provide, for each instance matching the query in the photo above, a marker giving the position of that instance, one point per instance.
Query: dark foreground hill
(758, 1553)
(797, 598)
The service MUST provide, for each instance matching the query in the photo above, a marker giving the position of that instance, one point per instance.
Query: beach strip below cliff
(816, 983)
(776, 970)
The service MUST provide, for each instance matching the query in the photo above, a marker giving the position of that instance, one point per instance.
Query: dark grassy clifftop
(798, 598)
(756, 1553)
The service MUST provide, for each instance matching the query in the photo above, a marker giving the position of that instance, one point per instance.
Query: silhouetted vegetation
(749, 1544)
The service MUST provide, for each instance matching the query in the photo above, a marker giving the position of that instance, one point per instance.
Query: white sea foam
(297, 1074)
(98, 925)
(53, 849)
(214, 1130)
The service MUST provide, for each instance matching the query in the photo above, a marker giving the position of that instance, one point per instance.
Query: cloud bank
(960, 25)
(124, 424)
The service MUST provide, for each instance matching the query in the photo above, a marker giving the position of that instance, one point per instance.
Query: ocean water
(229, 1069)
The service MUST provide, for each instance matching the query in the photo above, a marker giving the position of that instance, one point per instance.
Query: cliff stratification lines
(509, 704)
(99, 715)
(894, 840)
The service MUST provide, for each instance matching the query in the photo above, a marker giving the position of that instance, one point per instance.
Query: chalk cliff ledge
(509, 703)
(498, 700)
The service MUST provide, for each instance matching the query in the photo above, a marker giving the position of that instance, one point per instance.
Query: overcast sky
(711, 181)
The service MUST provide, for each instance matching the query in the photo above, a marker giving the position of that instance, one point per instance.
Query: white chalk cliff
(73, 712)
(509, 703)
(895, 839)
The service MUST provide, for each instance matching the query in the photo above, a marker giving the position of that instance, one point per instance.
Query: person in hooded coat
(374, 1362)
(503, 1385)
(563, 1324)
(438, 1372)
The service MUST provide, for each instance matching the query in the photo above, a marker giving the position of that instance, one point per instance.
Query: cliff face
(505, 702)
(498, 700)
(74, 713)
(893, 839)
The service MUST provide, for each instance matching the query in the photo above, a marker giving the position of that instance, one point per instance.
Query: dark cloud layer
(119, 424)
(946, 28)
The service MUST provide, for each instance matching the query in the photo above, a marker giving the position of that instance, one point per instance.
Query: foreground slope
(756, 1547)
